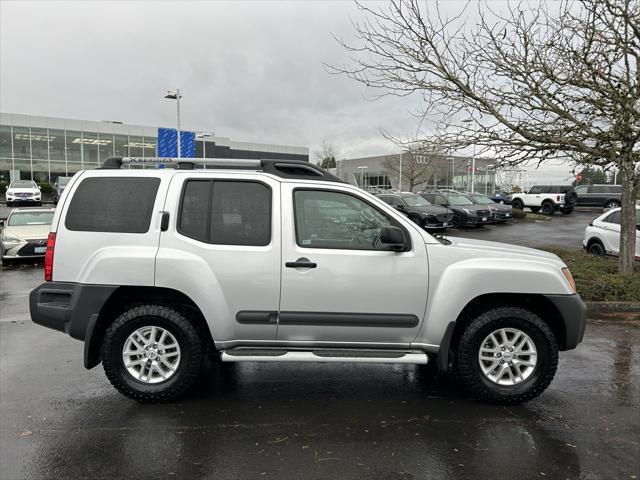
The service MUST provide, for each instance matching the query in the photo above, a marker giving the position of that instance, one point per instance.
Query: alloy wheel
(507, 356)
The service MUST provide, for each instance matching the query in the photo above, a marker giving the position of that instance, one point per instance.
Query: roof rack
(295, 169)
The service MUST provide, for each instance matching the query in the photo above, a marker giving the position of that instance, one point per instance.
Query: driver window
(581, 189)
(326, 219)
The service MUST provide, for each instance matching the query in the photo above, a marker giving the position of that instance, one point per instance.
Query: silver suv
(158, 270)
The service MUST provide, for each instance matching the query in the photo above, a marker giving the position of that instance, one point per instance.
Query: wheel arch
(127, 296)
(538, 304)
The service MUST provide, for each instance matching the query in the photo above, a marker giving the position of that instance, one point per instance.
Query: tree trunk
(628, 223)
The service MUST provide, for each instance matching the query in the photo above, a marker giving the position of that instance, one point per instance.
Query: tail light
(48, 257)
(591, 222)
(557, 198)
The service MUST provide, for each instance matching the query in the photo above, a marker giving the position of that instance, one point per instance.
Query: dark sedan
(419, 210)
(499, 213)
(465, 212)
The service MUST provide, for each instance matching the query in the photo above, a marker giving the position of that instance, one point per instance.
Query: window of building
(39, 144)
(90, 144)
(74, 146)
(226, 212)
(136, 146)
(327, 219)
(121, 145)
(105, 146)
(149, 146)
(56, 145)
(113, 204)
(21, 143)
(5, 142)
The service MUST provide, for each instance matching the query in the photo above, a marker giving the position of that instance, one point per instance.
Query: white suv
(23, 191)
(157, 270)
(546, 198)
(602, 235)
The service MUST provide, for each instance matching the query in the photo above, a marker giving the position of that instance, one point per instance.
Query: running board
(323, 356)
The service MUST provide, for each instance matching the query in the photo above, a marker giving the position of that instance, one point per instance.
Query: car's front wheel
(152, 353)
(518, 204)
(507, 355)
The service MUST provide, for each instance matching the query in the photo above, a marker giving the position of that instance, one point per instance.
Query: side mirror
(393, 237)
(39, 187)
(400, 207)
(2, 223)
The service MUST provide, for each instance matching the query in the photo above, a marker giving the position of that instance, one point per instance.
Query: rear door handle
(301, 263)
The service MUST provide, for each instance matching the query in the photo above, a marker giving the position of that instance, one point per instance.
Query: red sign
(579, 178)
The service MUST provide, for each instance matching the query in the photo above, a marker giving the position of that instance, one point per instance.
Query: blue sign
(168, 143)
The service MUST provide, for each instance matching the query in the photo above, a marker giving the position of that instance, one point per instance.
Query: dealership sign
(168, 143)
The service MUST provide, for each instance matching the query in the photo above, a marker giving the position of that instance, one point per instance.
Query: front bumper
(501, 217)
(24, 249)
(573, 313)
(477, 220)
(23, 200)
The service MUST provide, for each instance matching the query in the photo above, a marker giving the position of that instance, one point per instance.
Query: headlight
(10, 239)
(569, 277)
(469, 212)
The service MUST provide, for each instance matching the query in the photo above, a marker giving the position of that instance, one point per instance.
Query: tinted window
(226, 212)
(113, 204)
(415, 201)
(581, 189)
(337, 220)
(613, 218)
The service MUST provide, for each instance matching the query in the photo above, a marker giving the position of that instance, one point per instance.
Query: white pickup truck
(157, 270)
(546, 198)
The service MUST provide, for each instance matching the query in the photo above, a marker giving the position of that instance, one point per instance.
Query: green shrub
(45, 187)
(516, 213)
(597, 278)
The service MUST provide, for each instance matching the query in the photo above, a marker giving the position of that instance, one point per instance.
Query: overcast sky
(252, 71)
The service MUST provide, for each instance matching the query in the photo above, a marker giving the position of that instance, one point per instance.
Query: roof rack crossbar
(297, 169)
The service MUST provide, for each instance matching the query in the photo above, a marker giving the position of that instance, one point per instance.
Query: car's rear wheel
(547, 208)
(518, 204)
(612, 204)
(507, 355)
(596, 248)
(152, 353)
(456, 221)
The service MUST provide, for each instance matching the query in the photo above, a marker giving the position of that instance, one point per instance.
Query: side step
(324, 356)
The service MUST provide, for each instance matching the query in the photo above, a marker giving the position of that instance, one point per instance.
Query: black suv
(500, 213)
(419, 210)
(465, 212)
(605, 196)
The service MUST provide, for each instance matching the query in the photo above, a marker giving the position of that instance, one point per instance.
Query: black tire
(517, 204)
(548, 208)
(467, 364)
(612, 204)
(570, 197)
(596, 248)
(176, 323)
(566, 210)
(456, 221)
(535, 209)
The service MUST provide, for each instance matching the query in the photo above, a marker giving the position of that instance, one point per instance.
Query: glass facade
(47, 153)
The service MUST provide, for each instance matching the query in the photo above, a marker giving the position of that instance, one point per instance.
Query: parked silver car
(25, 233)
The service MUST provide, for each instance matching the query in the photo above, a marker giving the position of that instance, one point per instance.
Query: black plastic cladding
(294, 169)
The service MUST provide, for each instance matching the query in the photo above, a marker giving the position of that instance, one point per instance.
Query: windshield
(20, 219)
(22, 184)
(459, 200)
(415, 201)
(481, 199)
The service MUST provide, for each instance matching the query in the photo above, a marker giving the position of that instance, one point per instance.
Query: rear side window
(615, 217)
(113, 204)
(226, 212)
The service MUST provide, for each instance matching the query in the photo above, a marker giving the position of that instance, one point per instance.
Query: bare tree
(326, 155)
(548, 81)
(416, 169)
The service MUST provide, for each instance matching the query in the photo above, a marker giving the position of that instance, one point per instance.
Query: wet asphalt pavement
(312, 421)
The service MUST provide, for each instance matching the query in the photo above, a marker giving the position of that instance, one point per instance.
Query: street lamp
(202, 136)
(400, 173)
(473, 157)
(176, 95)
(361, 168)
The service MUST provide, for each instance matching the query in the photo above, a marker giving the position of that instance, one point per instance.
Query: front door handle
(301, 263)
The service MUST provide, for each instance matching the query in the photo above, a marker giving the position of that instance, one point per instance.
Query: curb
(613, 306)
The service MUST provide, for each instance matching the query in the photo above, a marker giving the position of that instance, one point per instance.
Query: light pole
(176, 95)
(203, 136)
(361, 168)
(400, 175)
(473, 157)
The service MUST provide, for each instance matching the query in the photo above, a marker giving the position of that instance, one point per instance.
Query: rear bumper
(72, 308)
(573, 313)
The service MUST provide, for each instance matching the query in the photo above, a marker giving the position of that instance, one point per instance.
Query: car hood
(474, 207)
(499, 207)
(23, 190)
(502, 250)
(431, 209)
(28, 232)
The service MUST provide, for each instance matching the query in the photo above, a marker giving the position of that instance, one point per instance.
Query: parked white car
(23, 191)
(602, 236)
(546, 198)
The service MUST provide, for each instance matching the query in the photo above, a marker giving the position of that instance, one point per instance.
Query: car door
(583, 195)
(221, 248)
(610, 226)
(340, 285)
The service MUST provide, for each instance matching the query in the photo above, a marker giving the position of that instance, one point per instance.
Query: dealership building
(436, 171)
(43, 148)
